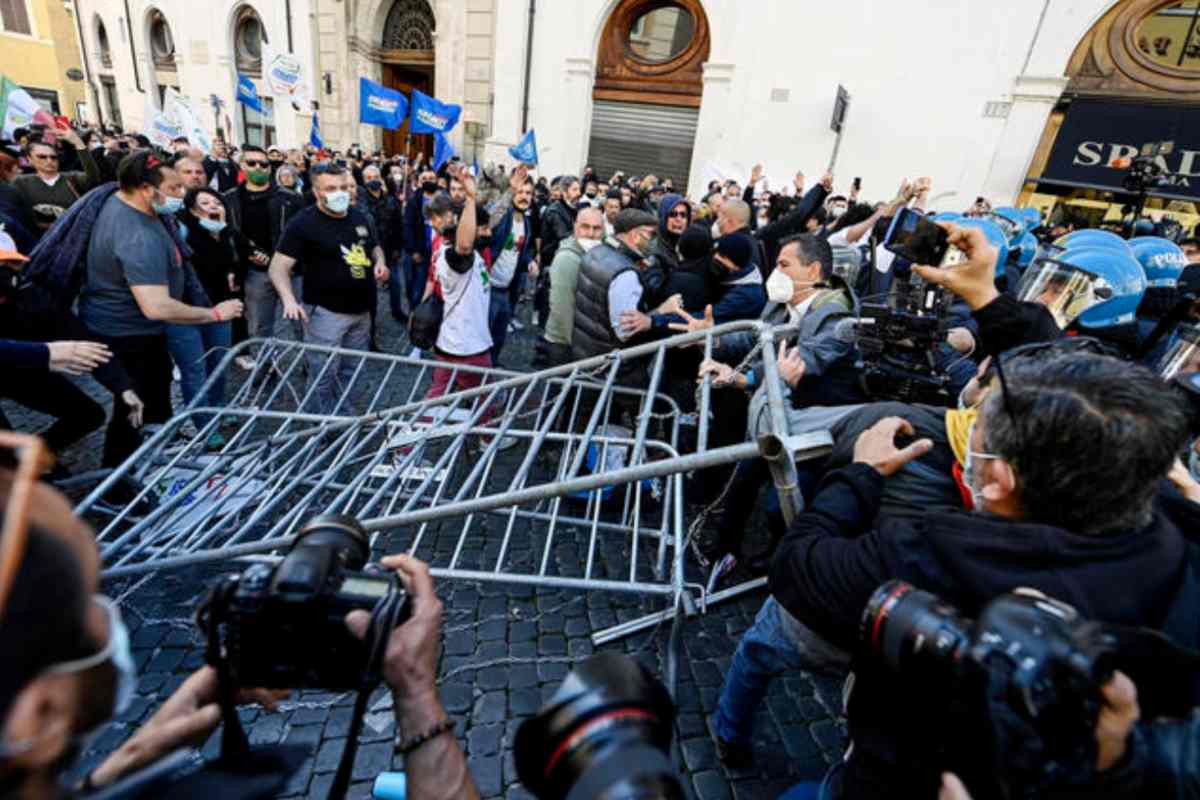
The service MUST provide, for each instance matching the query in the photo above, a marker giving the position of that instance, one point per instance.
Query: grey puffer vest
(593, 335)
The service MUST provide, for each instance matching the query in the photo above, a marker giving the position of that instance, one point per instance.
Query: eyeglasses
(678, 215)
(250, 163)
(46, 157)
(113, 614)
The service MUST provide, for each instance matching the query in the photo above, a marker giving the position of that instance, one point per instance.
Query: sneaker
(735, 756)
(175, 374)
(515, 325)
(245, 362)
(122, 494)
(720, 570)
(415, 353)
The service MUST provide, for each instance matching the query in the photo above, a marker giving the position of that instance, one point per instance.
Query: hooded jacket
(830, 563)
(558, 224)
(665, 246)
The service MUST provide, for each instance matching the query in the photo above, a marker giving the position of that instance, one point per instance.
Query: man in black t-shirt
(342, 263)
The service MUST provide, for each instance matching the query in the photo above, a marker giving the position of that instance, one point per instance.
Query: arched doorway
(649, 81)
(406, 52)
(1134, 80)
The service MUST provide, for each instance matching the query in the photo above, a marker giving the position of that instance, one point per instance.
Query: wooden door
(406, 78)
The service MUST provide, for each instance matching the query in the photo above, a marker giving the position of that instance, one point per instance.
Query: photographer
(68, 670)
(1053, 512)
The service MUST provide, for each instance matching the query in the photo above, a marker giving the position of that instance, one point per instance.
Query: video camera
(898, 343)
(1145, 173)
(1023, 681)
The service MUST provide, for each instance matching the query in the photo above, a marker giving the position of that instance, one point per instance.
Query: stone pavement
(506, 649)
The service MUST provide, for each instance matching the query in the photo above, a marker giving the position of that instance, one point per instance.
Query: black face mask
(429, 187)
(482, 241)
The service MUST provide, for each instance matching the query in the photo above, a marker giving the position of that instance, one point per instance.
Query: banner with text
(1099, 139)
(432, 116)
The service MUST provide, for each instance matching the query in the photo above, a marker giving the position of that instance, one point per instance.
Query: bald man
(191, 173)
(734, 217)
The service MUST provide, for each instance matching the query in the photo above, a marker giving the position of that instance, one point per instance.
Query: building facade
(38, 51)
(960, 91)
(135, 49)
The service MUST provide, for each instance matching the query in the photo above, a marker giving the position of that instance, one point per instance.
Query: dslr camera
(283, 626)
(604, 735)
(1022, 682)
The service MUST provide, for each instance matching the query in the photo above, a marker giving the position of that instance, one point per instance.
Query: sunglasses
(46, 157)
(678, 215)
(250, 163)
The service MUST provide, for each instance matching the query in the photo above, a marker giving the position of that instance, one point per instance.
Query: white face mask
(338, 202)
(780, 287)
(589, 244)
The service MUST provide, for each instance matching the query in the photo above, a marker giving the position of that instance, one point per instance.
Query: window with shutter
(15, 16)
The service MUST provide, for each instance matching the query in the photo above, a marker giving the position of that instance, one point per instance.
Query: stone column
(1033, 98)
(715, 115)
(512, 26)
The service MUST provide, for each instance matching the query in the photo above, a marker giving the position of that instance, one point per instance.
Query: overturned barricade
(563, 478)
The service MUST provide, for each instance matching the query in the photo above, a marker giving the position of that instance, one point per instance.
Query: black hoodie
(830, 562)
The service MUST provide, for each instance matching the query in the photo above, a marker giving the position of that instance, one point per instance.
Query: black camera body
(284, 626)
(898, 342)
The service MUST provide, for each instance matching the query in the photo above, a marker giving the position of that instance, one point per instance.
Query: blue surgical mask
(338, 202)
(169, 205)
(212, 225)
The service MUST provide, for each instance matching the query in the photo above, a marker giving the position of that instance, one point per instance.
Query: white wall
(920, 75)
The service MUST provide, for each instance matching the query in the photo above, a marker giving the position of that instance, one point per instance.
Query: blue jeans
(197, 351)
(396, 296)
(772, 646)
(499, 315)
(415, 276)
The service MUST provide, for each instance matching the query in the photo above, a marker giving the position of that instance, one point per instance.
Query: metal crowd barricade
(590, 498)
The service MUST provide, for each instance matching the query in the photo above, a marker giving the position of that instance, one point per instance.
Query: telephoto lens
(604, 735)
(910, 629)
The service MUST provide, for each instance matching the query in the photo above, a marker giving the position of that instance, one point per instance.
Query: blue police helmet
(995, 236)
(1010, 220)
(1094, 237)
(1023, 252)
(1033, 218)
(1099, 287)
(1161, 259)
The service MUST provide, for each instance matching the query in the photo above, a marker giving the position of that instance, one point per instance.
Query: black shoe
(122, 494)
(735, 756)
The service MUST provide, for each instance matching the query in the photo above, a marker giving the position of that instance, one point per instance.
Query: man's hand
(672, 305)
(952, 788)
(972, 393)
(1184, 482)
(827, 181)
(756, 174)
(186, 719)
(77, 358)
(694, 324)
(411, 659)
(464, 177)
(635, 322)
(136, 407)
(961, 340)
(233, 284)
(922, 186)
(293, 310)
(259, 258)
(1117, 717)
(722, 374)
(790, 365)
(534, 269)
(974, 281)
(876, 446)
(381, 274)
(229, 309)
(798, 182)
(67, 132)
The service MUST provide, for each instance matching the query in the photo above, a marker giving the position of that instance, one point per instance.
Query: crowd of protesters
(1065, 457)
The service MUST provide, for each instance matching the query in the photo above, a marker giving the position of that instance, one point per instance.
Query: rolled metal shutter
(643, 139)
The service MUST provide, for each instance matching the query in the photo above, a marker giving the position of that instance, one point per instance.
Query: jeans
(148, 363)
(396, 294)
(331, 329)
(415, 277)
(499, 315)
(776, 642)
(264, 308)
(197, 351)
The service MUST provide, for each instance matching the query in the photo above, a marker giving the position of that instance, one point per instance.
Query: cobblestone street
(506, 649)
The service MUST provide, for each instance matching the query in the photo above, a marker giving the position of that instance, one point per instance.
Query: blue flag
(432, 116)
(314, 134)
(525, 150)
(247, 95)
(475, 167)
(379, 105)
(442, 151)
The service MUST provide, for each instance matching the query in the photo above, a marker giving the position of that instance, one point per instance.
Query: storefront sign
(1100, 138)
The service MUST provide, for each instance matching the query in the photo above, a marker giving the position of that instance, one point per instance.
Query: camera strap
(384, 617)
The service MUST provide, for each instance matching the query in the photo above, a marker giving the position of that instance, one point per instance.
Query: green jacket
(564, 274)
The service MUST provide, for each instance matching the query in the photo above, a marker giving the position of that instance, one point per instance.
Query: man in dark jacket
(1072, 520)
(418, 237)
(558, 223)
(259, 211)
(741, 294)
(674, 216)
(221, 167)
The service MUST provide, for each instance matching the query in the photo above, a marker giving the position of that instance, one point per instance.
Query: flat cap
(630, 218)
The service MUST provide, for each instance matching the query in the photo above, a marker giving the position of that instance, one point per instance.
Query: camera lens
(343, 533)
(905, 627)
(605, 734)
